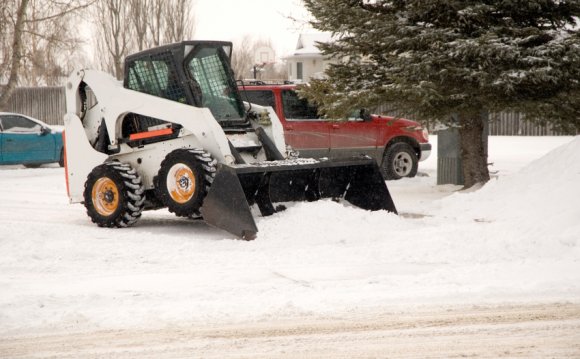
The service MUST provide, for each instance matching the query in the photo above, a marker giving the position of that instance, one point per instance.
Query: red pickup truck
(397, 144)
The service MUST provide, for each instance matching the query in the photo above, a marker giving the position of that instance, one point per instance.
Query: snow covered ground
(515, 240)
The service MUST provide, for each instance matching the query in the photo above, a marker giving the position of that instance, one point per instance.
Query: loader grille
(212, 68)
(155, 75)
(209, 67)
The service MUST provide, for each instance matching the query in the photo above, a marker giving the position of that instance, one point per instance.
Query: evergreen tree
(444, 59)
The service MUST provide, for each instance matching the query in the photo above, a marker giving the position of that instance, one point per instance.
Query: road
(503, 331)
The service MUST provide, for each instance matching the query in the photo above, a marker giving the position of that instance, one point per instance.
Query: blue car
(25, 140)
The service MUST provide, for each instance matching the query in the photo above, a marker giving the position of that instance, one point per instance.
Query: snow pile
(541, 202)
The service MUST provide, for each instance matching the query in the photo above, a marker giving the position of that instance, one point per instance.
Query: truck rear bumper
(425, 151)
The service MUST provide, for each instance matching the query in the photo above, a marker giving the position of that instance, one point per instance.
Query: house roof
(307, 47)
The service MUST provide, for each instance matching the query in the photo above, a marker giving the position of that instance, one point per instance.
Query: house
(307, 61)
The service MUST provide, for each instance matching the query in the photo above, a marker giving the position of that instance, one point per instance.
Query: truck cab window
(260, 97)
(296, 108)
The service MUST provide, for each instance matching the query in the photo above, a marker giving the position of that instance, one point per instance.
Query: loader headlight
(230, 160)
(264, 118)
(291, 153)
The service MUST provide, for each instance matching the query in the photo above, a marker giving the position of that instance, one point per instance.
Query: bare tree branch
(139, 12)
(16, 55)
(46, 41)
(244, 56)
(114, 33)
(178, 21)
(70, 9)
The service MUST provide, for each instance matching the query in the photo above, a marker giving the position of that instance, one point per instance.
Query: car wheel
(114, 195)
(32, 165)
(184, 179)
(399, 160)
(61, 159)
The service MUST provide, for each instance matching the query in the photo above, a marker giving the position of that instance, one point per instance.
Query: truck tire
(114, 195)
(184, 179)
(399, 160)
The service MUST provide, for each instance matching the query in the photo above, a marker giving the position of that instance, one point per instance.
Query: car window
(260, 97)
(19, 124)
(296, 108)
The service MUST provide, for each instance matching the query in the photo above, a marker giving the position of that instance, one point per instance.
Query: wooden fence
(513, 124)
(44, 103)
(501, 124)
(48, 104)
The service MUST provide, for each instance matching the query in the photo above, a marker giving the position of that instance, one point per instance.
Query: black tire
(399, 160)
(32, 165)
(114, 195)
(184, 179)
(61, 160)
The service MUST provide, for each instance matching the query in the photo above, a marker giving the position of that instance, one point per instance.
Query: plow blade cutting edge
(235, 188)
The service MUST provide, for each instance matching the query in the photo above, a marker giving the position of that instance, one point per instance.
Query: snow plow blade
(235, 188)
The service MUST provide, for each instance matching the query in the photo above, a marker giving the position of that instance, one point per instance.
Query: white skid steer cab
(176, 134)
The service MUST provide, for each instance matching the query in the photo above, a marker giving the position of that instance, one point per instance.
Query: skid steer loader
(176, 134)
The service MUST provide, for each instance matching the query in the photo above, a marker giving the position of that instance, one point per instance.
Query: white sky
(268, 19)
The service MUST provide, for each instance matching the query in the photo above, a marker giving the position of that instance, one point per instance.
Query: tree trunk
(473, 149)
(16, 62)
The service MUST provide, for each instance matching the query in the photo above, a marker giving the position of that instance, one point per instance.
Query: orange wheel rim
(105, 196)
(180, 183)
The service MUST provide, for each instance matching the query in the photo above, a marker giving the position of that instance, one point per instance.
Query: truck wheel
(399, 160)
(184, 179)
(114, 195)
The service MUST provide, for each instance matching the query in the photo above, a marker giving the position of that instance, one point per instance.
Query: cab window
(209, 66)
(260, 97)
(155, 76)
(296, 108)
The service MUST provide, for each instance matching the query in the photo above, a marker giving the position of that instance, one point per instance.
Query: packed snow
(517, 239)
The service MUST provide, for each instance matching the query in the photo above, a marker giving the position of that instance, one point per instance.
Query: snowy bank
(516, 239)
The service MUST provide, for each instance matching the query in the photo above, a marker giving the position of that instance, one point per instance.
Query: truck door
(304, 129)
(353, 136)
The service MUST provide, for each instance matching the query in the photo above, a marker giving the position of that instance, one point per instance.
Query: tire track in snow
(526, 331)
